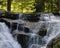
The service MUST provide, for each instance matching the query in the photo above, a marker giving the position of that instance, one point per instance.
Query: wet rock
(20, 28)
(9, 15)
(26, 30)
(32, 17)
(55, 43)
(43, 30)
(7, 23)
(23, 40)
(56, 13)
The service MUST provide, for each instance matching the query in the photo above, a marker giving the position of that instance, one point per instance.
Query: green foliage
(3, 4)
(50, 6)
(57, 45)
(46, 5)
(30, 5)
(23, 6)
(39, 5)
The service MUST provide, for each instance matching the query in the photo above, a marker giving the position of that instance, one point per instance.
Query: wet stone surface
(55, 43)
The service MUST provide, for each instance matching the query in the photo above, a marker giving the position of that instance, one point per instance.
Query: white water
(6, 39)
(34, 41)
(11, 26)
(20, 16)
(53, 30)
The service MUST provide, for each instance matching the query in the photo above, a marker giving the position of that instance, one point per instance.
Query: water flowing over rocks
(40, 33)
(6, 39)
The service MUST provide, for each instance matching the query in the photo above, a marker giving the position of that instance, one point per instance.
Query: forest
(30, 5)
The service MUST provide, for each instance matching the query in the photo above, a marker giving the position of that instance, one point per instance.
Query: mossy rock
(55, 43)
(43, 30)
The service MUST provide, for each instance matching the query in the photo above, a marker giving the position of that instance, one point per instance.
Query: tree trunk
(39, 5)
(59, 4)
(1, 2)
(8, 5)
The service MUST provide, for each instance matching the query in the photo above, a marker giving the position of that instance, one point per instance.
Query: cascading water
(6, 39)
(11, 26)
(52, 26)
(34, 41)
(20, 16)
(53, 30)
(20, 21)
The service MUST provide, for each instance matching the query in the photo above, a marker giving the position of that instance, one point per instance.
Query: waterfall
(53, 29)
(6, 39)
(11, 26)
(20, 16)
(35, 40)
